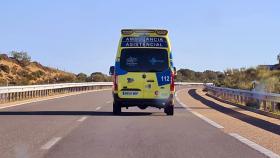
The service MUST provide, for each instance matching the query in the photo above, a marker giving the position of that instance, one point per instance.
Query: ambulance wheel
(169, 109)
(117, 109)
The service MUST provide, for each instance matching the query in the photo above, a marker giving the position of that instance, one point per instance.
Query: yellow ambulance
(143, 74)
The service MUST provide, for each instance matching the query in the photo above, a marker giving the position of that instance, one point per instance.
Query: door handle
(150, 81)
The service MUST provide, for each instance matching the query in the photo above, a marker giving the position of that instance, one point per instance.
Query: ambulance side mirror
(175, 71)
(112, 70)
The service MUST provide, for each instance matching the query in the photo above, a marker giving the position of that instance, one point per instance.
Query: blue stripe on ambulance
(171, 61)
(118, 69)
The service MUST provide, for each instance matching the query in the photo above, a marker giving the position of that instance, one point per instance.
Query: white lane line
(51, 143)
(184, 105)
(107, 102)
(98, 108)
(255, 146)
(197, 114)
(44, 99)
(82, 119)
(207, 120)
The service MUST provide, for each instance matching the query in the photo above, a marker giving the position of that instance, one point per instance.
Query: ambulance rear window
(144, 60)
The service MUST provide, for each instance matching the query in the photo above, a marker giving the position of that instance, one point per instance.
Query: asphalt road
(83, 126)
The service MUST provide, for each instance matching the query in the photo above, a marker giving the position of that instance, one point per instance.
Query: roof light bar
(131, 31)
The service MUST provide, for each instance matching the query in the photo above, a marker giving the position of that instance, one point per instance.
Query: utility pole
(278, 58)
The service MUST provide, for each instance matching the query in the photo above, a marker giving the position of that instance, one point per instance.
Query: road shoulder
(260, 129)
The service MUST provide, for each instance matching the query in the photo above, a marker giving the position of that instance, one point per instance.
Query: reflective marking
(98, 108)
(198, 114)
(50, 143)
(255, 146)
(82, 119)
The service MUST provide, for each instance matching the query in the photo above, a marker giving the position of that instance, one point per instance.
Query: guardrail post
(242, 99)
(5, 97)
(265, 107)
(273, 108)
(1, 98)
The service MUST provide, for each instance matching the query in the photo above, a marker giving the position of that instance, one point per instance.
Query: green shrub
(14, 70)
(22, 73)
(63, 78)
(3, 82)
(5, 68)
(37, 74)
(81, 77)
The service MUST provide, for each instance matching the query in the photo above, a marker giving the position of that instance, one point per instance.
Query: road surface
(83, 126)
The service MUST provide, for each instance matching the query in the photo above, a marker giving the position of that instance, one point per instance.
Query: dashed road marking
(82, 119)
(255, 146)
(50, 143)
(98, 108)
(197, 114)
(107, 102)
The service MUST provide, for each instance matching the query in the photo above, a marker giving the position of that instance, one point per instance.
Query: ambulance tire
(117, 109)
(169, 109)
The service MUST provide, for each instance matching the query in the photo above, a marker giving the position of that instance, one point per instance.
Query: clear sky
(82, 36)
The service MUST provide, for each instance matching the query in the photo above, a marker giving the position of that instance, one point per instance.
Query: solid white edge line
(44, 99)
(255, 146)
(82, 119)
(196, 113)
(207, 120)
(51, 143)
(98, 108)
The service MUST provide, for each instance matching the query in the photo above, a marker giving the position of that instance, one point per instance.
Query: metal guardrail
(192, 83)
(269, 102)
(15, 93)
(11, 89)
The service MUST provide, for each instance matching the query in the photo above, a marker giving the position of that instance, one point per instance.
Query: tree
(98, 77)
(81, 77)
(63, 78)
(22, 57)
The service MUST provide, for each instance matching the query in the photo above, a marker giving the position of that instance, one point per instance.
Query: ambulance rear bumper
(160, 103)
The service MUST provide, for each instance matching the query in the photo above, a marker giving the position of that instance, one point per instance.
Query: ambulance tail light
(172, 84)
(115, 82)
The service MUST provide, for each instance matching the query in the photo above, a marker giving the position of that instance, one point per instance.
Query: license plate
(130, 93)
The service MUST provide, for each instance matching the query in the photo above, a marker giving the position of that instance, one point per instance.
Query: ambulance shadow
(268, 126)
(71, 113)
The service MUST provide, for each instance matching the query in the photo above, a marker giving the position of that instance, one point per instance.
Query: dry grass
(33, 73)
